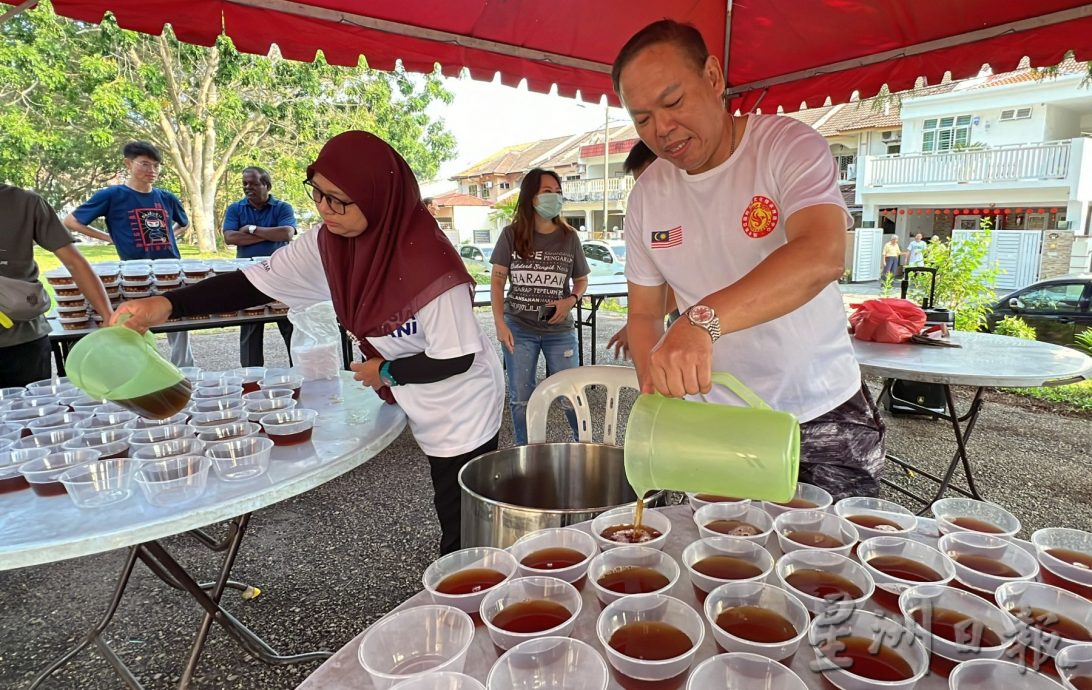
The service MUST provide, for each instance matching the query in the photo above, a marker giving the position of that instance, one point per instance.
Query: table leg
(94, 634)
(959, 458)
(580, 330)
(153, 552)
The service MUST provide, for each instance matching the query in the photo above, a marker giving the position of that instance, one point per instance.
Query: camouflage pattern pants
(842, 451)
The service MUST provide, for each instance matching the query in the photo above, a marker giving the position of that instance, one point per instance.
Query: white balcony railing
(592, 190)
(1046, 161)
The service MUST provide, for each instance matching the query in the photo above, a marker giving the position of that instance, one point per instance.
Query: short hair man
(430, 204)
(141, 221)
(258, 225)
(744, 220)
(25, 220)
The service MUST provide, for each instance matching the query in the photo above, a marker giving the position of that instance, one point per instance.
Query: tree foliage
(965, 282)
(71, 94)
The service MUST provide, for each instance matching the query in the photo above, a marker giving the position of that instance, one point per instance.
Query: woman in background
(540, 256)
(401, 291)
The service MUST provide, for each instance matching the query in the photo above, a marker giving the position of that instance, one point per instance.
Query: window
(505, 185)
(946, 133)
(485, 192)
(594, 251)
(473, 191)
(847, 167)
(1015, 114)
(1064, 297)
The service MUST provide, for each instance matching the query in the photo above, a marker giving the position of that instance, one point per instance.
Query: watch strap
(385, 373)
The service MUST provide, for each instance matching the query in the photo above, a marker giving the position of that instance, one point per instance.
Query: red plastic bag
(886, 320)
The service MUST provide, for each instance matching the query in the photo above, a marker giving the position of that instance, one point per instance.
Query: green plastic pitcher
(700, 447)
(123, 366)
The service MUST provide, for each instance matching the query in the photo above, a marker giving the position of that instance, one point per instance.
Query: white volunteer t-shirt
(701, 233)
(448, 417)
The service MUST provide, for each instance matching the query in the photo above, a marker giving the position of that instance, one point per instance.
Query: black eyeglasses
(336, 205)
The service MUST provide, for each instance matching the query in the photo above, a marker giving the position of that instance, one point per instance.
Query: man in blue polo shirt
(141, 221)
(258, 226)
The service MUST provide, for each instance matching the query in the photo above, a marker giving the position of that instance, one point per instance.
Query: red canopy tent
(778, 52)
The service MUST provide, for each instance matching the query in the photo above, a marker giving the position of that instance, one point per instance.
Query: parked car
(1057, 308)
(479, 253)
(605, 258)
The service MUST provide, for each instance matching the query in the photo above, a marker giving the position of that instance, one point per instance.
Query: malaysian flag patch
(662, 239)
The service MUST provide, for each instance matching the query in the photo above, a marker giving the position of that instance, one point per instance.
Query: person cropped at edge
(27, 220)
(742, 217)
(540, 255)
(258, 225)
(398, 287)
(141, 221)
(638, 160)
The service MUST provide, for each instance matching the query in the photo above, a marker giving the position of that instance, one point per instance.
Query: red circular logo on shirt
(760, 218)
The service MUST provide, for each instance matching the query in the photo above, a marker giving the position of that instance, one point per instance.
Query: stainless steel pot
(510, 492)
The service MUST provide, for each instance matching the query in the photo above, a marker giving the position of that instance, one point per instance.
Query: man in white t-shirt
(743, 219)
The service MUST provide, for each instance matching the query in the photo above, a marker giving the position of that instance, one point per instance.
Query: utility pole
(606, 166)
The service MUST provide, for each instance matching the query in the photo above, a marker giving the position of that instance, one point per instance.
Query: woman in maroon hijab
(401, 291)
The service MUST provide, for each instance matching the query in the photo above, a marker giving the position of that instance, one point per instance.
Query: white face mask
(548, 205)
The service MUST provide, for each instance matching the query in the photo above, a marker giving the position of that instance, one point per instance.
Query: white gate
(1015, 252)
(867, 243)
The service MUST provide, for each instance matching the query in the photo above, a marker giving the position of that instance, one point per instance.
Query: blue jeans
(522, 369)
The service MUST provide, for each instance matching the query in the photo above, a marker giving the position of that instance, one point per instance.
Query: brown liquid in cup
(798, 503)
(958, 627)
(887, 665)
(552, 558)
(161, 404)
(633, 580)
(733, 528)
(49, 489)
(630, 534)
(976, 525)
(250, 386)
(1081, 682)
(469, 581)
(875, 522)
(984, 564)
(727, 568)
(15, 483)
(1054, 623)
(814, 539)
(531, 616)
(713, 498)
(756, 624)
(291, 439)
(905, 569)
(650, 641)
(821, 584)
(1074, 558)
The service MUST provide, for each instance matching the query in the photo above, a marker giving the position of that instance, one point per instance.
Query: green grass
(1078, 395)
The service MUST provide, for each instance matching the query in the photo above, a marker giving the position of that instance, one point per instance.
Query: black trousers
(842, 451)
(25, 363)
(252, 343)
(448, 496)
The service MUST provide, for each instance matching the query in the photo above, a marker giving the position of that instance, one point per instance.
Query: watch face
(701, 314)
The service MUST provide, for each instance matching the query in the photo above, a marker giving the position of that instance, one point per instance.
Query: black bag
(927, 395)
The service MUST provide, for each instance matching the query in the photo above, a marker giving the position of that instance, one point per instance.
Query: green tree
(212, 111)
(504, 211)
(964, 283)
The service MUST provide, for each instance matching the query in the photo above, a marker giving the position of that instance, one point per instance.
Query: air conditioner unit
(488, 185)
(889, 135)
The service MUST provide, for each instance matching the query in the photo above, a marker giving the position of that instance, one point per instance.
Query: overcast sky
(487, 116)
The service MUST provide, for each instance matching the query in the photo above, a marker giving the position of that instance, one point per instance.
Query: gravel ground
(370, 534)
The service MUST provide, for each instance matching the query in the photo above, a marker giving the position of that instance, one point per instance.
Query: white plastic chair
(571, 384)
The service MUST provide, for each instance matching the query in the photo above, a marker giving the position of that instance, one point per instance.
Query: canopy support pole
(400, 29)
(18, 9)
(1082, 12)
